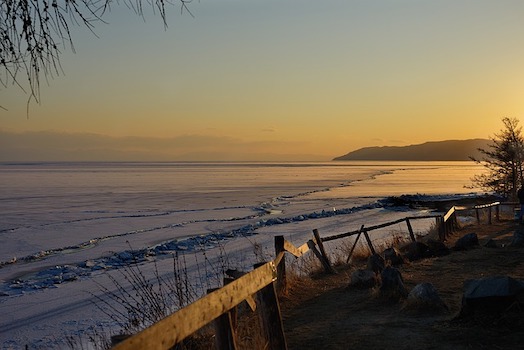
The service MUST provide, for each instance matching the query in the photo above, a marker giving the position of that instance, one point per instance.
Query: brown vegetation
(321, 312)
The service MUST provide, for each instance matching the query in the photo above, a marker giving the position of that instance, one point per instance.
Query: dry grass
(323, 313)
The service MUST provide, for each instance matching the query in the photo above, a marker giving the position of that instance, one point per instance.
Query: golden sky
(273, 80)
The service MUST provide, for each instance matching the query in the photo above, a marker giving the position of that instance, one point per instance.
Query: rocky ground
(323, 313)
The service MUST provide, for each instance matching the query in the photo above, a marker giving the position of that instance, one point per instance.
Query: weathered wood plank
(318, 240)
(298, 252)
(179, 325)
(271, 318)
(410, 230)
(355, 243)
(224, 329)
(340, 235)
(450, 212)
(325, 263)
(371, 228)
(281, 283)
(486, 205)
(369, 242)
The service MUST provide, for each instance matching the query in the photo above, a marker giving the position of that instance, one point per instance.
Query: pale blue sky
(274, 79)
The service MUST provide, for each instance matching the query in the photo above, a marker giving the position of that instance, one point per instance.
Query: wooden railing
(261, 287)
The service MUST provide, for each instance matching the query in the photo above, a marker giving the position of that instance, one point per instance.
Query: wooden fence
(260, 288)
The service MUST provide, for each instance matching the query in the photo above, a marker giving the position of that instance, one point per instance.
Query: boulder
(392, 284)
(363, 279)
(437, 248)
(393, 256)
(518, 239)
(491, 243)
(491, 296)
(376, 263)
(416, 251)
(467, 242)
(425, 298)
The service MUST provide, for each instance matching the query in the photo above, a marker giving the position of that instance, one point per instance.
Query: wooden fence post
(455, 222)
(321, 246)
(441, 226)
(369, 242)
(281, 283)
(478, 215)
(224, 330)
(268, 310)
(325, 263)
(489, 215)
(410, 229)
(234, 311)
(497, 211)
(355, 244)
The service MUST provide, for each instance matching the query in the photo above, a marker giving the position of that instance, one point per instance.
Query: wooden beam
(179, 325)
(281, 282)
(297, 252)
(318, 241)
(410, 229)
(224, 330)
(325, 263)
(369, 242)
(355, 244)
(270, 318)
(450, 212)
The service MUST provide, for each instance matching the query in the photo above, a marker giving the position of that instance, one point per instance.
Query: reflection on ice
(66, 227)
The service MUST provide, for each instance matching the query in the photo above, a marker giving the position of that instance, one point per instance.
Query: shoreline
(256, 210)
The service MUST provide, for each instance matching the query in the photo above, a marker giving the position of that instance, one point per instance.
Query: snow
(67, 229)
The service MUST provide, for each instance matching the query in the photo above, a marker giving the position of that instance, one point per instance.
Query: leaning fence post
(369, 242)
(327, 267)
(318, 240)
(281, 282)
(355, 243)
(410, 229)
(268, 311)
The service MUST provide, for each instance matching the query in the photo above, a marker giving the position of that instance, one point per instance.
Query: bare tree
(34, 33)
(503, 160)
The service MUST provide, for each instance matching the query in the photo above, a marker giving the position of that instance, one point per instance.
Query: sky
(275, 80)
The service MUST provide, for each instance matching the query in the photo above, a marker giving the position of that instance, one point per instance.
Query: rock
(437, 248)
(125, 256)
(491, 296)
(392, 284)
(491, 243)
(424, 297)
(416, 251)
(393, 256)
(376, 263)
(518, 239)
(363, 279)
(466, 242)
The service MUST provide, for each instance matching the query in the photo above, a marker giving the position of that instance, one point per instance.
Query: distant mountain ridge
(428, 151)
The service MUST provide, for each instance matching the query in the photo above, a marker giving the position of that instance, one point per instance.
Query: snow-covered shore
(59, 247)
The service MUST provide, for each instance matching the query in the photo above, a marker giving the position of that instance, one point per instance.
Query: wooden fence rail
(263, 284)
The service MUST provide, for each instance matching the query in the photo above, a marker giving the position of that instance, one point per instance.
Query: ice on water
(66, 226)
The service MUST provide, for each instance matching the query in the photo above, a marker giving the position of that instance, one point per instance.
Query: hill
(429, 151)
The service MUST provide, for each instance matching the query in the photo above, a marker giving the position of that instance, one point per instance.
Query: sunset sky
(275, 80)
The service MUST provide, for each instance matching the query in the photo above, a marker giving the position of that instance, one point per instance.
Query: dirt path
(322, 313)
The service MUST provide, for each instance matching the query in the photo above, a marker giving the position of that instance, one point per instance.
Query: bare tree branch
(34, 33)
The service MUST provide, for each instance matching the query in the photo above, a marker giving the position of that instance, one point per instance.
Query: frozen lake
(66, 227)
